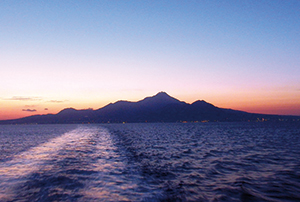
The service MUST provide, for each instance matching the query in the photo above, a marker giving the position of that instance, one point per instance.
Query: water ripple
(151, 162)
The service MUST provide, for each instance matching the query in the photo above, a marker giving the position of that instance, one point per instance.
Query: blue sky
(234, 54)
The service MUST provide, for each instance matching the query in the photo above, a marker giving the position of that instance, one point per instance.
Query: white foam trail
(112, 179)
(12, 172)
(115, 180)
(109, 182)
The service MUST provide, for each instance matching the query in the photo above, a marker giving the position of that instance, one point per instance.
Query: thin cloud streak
(57, 101)
(27, 106)
(20, 98)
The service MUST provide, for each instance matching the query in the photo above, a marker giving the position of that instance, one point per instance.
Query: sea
(256, 161)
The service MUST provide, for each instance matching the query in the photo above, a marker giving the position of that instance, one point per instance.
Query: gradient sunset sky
(243, 55)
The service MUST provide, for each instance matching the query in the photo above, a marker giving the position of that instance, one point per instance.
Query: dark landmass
(159, 108)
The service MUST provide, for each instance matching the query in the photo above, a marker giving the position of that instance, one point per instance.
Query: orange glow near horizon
(288, 104)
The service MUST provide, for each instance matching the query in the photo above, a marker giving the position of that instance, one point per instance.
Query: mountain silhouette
(158, 108)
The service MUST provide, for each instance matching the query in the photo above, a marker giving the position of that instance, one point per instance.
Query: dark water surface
(151, 162)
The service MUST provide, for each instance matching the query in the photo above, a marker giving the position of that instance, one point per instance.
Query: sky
(236, 54)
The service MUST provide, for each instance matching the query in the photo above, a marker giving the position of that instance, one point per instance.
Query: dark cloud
(46, 109)
(19, 98)
(29, 110)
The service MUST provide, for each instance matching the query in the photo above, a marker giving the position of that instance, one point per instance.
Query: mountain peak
(67, 110)
(162, 93)
(202, 103)
(161, 98)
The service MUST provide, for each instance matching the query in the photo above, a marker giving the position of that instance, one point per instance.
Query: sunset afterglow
(242, 55)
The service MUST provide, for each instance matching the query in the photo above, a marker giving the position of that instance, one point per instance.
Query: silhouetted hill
(158, 108)
(161, 99)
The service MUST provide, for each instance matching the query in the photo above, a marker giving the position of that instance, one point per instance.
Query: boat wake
(80, 165)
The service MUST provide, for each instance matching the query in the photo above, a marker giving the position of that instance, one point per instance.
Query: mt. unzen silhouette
(158, 108)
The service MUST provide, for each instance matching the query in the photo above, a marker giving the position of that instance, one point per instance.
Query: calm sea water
(150, 162)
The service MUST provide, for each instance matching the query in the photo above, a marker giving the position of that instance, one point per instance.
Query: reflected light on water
(155, 162)
(83, 163)
(31, 161)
